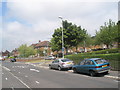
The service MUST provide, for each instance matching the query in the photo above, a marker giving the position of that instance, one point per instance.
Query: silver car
(61, 64)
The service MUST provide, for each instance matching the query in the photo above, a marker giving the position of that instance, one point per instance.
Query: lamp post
(62, 38)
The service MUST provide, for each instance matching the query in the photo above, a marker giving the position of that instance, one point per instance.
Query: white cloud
(43, 18)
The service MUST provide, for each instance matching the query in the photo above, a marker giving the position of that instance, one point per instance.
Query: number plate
(69, 63)
(104, 66)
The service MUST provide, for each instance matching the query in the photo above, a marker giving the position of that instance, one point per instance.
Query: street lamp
(62, 37)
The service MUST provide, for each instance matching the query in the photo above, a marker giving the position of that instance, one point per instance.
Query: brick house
(15, 53)
(6, 53)
(43, 46)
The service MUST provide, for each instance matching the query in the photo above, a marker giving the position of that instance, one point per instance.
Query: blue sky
(30, 21)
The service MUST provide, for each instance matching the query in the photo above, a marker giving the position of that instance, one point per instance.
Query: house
(15, 52)
(6, 53)
(43, 46)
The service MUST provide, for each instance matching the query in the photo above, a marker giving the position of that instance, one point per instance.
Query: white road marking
(18, 72)
(12, 88)
(37, 82)
(26, 76)
(2, 73)
(34, 70)
(6, 78)
(6, 68)
(20, 80)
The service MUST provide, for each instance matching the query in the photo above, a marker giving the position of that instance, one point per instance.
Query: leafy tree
(40, 52)
(26, 51)
(73, 35)
(118, 35)
(107, 34)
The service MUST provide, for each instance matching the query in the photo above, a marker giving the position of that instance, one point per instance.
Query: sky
(28, 21)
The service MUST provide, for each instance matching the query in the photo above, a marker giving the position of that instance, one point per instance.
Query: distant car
(13, 60)
(2, 58)
(61, 64)
(50, 58)
(92, 66)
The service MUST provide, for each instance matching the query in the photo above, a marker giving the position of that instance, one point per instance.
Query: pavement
(112, 74)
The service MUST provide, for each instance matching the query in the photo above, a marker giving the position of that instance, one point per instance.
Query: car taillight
(98, 66)
(108, 65)
(62, 63)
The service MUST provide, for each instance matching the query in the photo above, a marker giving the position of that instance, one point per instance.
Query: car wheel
(50, 67)
(59, 68)
(92, 73)
(74, 70)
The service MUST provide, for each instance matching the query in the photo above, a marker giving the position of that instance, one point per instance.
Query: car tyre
(59, 68)
(92, 73)
(74, 70)
(50, 67)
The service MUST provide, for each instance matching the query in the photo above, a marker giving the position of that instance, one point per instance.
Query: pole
(62, 41)
(62, 38)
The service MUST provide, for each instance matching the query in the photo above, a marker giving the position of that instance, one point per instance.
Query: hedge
(113, 58)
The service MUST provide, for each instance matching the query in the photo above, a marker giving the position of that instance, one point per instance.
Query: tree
(107, 34)
(26, 51)
(73, 35)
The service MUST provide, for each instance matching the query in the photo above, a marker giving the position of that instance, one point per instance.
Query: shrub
(113, 58)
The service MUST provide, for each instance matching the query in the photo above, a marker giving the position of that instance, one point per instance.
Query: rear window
(65, 60)
(100, 61)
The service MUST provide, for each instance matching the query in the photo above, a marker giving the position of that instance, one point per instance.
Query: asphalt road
(20, 75)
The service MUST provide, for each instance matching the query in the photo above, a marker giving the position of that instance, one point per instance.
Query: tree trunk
(107, 46)
(76, 49)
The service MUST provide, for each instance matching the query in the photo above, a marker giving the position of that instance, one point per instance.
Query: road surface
(20, 75)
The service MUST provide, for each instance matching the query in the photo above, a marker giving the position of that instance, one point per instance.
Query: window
(65, 60)
(89, 62)
(82, 63)
(56, 61)
(100, 61)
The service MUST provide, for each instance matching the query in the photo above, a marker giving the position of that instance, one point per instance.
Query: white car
(61, 64)
(50, 58)
(1, 58)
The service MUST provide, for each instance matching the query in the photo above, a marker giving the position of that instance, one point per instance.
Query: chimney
(39, 41)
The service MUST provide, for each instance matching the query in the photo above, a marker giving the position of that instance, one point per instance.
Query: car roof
(93, 58)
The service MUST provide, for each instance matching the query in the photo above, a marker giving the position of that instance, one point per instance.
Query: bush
(113, 58)
(105, 51)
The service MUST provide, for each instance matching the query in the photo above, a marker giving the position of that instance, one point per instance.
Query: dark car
(13, 60)
(92, 66)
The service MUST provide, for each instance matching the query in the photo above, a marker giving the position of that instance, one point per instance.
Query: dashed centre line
(6, 78)
(37, 82)
(34, 70)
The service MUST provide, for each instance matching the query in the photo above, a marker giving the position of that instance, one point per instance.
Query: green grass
(38, 61)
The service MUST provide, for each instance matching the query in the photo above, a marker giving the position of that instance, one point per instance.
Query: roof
(43, 44)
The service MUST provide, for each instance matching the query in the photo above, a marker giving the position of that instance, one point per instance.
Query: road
(20, 75)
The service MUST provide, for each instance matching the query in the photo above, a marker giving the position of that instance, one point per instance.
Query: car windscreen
(65, 60)
(100, 61)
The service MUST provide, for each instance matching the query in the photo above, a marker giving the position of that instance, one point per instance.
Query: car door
(88, 65)
(52, 64)
(56, 64)
(80, 67)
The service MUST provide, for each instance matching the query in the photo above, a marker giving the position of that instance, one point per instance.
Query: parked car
(50, 58)
(61, 64)
(92, 66)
